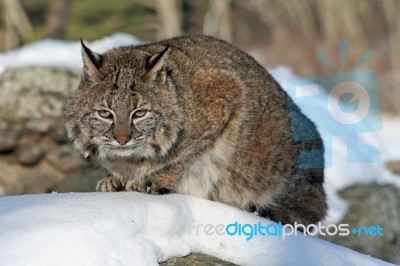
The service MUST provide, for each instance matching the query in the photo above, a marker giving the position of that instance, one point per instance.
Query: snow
(389, 138)
(58, 53)
(137, 229)
(117, 228)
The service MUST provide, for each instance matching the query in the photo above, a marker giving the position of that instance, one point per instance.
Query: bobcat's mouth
(135, 150)
(125, 147)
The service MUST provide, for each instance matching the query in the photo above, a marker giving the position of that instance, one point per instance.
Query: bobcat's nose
(122, 140)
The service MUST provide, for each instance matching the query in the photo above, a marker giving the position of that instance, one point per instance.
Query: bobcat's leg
(304, 203)
(110, 184)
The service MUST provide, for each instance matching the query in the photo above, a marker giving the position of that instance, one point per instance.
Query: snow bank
(129, 228)
(58, 53)
(389, 138)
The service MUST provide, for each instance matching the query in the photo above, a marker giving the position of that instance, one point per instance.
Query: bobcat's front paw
(110, 184)
(138, 185)
(160, 186)
(150, 187)
(155, 186)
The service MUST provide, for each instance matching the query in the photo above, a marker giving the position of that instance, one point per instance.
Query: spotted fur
(195, 115)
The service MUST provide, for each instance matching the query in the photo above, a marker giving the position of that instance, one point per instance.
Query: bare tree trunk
(57, 17)
(217, 20)
(391, 92)
(170, 14)
(327, 13)
(391, 10)
(339, 19)
(300, 17)
(17, 25)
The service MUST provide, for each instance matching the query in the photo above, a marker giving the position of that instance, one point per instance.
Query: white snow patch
(58, 53)
(129, 228)
(389, 137)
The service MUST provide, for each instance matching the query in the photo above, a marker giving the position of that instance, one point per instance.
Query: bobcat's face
(125, 113)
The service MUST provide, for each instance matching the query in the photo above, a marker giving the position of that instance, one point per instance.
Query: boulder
(372, 205)
(35, 154)
(35, 93)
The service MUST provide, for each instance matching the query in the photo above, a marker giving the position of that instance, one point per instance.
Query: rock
(31, 155)
(65, 158)
(2, 191)
(35, 92)
(373, 205)
(18, 179)
(394, 167)
(58, 134)
(53, 127)
(83, 179)
(39, 125)
(9, 135)
(8, 141)
(35, 154)
(196, 259)
(9, 177)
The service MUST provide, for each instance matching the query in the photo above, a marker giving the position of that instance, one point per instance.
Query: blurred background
(277, 32)
(36, 156)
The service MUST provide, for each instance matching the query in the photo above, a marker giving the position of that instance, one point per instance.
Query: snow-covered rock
(129, 228)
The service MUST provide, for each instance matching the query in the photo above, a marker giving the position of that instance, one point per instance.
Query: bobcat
(195, 115)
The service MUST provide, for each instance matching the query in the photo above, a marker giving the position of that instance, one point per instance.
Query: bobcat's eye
(139, 113)
(105, 114)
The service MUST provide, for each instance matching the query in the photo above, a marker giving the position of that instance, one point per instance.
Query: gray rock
(373, 205)
(39, 125)
(8, 141)
(18, 179)
(83, 179)
(35, 154)
(9, 134)
(196, 259)
(65, 158)
(58, 133)
(31, 155)
(35, 92)
(394, 167)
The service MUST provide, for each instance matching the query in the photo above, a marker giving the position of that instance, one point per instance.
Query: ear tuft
(91, 62)
(156, 64)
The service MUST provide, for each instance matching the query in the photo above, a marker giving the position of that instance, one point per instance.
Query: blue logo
(348, 102)
(341, 104)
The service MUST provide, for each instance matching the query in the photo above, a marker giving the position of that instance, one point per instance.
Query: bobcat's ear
(91, 62)
(156, 65)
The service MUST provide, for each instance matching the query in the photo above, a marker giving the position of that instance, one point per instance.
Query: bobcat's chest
(200, 178)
